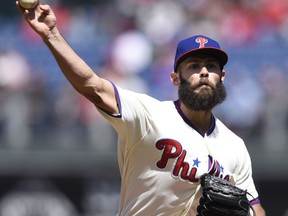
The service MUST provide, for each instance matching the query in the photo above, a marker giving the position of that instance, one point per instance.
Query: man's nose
(204, 72)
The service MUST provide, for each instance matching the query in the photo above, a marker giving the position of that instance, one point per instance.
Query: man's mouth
(204, 82)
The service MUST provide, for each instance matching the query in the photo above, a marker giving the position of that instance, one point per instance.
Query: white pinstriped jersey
(161, 157)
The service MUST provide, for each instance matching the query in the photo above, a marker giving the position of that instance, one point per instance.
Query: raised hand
(41, 18)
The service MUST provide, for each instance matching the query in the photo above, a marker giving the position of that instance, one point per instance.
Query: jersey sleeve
(133, 120)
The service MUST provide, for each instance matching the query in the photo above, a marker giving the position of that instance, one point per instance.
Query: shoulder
(127, 96)
(133, 105)
(222, 130)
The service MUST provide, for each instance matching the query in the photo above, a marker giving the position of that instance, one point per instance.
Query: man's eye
(211, 65)
(194, 66)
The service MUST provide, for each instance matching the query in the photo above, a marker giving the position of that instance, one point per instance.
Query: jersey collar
(208, 132)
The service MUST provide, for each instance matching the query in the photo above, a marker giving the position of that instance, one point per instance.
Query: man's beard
(205, 99)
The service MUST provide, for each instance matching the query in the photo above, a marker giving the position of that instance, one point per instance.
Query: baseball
(27, 4)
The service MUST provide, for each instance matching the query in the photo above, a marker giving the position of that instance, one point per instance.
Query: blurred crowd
(132, 42)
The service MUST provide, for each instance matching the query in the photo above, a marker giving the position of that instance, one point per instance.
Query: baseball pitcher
(175, 157)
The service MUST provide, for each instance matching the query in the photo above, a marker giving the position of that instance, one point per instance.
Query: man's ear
(223, 75)
(174, 77)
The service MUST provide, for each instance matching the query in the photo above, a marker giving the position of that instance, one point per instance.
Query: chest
(182, 152)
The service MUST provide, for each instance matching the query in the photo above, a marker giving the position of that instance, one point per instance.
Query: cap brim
(217, 53)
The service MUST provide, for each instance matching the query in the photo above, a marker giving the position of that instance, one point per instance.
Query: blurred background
(58, 156)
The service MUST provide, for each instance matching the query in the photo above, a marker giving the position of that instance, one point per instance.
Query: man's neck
(200, 119)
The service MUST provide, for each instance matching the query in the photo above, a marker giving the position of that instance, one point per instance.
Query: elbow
(89, 93)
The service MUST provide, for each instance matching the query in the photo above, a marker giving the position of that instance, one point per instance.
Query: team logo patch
(187, 169)
(202, 41)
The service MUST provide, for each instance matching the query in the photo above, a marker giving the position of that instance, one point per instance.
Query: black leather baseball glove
(221, 198)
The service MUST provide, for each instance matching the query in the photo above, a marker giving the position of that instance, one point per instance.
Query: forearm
(43, 21)
(73, 67)
(99, 91)
(258, 210)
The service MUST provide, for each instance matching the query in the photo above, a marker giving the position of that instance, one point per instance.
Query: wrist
(53, 35)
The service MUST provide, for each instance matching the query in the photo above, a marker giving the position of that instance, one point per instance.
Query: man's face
(201, 87)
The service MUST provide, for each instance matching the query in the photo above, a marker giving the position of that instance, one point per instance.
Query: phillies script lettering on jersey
(172, 149)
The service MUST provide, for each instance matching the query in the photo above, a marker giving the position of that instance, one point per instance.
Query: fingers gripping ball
(28, 4)
(221, 198)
